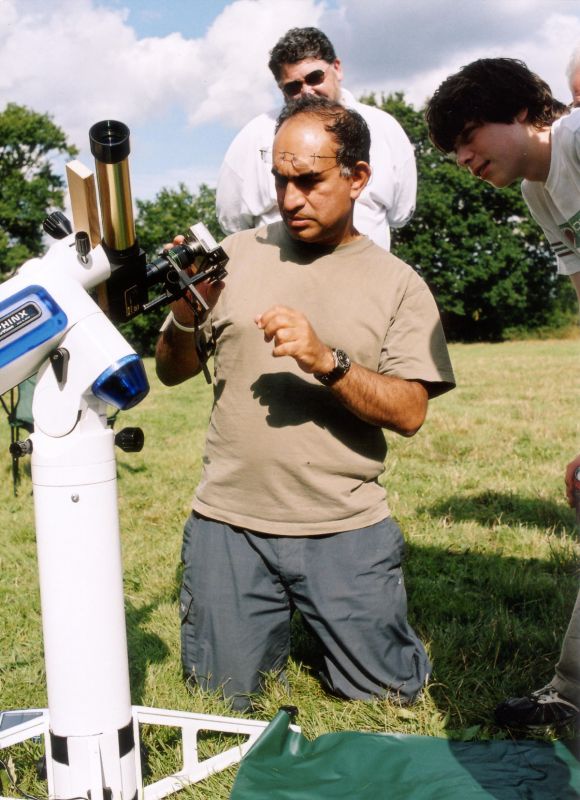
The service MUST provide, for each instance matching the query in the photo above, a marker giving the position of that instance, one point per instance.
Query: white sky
(186, 74)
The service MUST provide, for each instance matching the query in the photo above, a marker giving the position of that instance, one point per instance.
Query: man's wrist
(342, 364)
(170, 320)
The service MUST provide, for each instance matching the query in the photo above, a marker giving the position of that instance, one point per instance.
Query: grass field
(491, 572)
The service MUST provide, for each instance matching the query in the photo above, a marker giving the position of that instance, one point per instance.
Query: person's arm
(176, 358)
(570, 481)
(404, 174)
(575, 278)
(406, 194)
(230, 207)
(382, 400)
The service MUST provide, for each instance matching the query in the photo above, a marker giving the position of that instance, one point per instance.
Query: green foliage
(29, 142)
(487, 262)
(158, 221)
(172, 212)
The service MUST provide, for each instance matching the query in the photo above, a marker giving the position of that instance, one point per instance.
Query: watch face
(342, 361)
(342, 366)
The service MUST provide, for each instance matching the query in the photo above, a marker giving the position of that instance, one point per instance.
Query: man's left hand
(294, 336)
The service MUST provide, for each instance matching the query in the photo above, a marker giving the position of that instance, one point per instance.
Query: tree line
(486, 261)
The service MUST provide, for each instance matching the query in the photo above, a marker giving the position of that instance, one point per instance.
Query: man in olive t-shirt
(322, 339)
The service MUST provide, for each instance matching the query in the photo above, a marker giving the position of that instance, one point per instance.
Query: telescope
(58, 317)
(126, 291)
(48, 296)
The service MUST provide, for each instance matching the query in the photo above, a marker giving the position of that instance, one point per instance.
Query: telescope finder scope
(124, 294)
(110, 147)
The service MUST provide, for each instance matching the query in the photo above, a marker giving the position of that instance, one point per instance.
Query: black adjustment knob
(131, 440)
(59, 363)
(57, 225)
(83, 244)
(19, 449)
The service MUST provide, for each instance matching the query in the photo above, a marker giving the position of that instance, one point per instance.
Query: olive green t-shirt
(282, 455)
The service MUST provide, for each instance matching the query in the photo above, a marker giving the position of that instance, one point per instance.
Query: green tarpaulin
(284, 765)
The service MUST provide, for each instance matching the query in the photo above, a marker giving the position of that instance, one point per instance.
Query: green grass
(491, 572)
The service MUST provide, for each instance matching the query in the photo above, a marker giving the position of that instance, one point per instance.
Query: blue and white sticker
(28, 319)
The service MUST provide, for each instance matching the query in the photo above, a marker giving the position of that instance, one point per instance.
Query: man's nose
(463, 155)
(305, 89)
(293, 197)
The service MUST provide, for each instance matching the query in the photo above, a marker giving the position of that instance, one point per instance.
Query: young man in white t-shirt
(503, 124)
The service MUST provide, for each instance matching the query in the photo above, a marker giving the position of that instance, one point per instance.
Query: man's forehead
(305, 131)
(300, 68)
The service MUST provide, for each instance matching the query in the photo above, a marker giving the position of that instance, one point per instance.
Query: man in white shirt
(304, 62)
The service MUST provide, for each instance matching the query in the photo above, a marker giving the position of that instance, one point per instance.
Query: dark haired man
(304, 62)
(289, 513)
(503, 124)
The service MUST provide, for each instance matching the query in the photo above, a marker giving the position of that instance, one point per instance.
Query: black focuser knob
(57, 225)
(131, 440)
(82, 244)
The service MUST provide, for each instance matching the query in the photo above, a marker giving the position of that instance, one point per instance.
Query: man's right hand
(176, 357)
(209, 289)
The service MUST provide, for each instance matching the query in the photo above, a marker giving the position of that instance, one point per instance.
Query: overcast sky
(184, 75)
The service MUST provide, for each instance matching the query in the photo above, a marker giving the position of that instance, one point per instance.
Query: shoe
(541, 709)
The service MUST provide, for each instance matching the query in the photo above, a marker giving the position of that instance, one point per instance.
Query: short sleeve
(415, 346)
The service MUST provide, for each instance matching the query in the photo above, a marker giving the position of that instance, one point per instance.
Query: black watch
(341, 367)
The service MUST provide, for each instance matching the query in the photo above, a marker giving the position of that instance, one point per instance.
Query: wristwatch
(341, 367)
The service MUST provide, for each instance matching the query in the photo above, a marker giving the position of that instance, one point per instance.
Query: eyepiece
(109, 141)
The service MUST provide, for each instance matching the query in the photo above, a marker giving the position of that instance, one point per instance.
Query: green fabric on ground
(284, 765)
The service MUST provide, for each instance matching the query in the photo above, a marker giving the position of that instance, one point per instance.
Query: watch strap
(342, 365)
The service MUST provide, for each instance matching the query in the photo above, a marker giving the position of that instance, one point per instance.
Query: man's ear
(522, 116)
(337, 68)
(361, 175)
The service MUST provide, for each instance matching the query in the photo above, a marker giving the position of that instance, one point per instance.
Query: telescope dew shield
(125, 293)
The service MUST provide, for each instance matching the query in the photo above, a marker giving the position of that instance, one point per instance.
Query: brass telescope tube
(125, 293)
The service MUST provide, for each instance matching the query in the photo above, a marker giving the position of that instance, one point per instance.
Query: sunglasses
(314, 78)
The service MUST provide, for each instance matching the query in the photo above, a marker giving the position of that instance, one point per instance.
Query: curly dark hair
(348, 128)
(298, 44)
(489, 90)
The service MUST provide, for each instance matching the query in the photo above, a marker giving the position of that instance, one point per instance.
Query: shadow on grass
(493, 626)
(124, 466)
(144, 648)
(494, 508)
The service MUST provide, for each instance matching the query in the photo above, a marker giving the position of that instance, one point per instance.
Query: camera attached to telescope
(176, 271)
